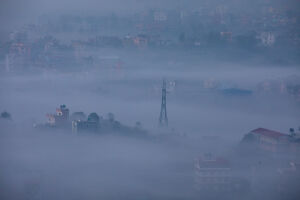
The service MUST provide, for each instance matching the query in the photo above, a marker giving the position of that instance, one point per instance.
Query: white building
(212, 174)
(267, 38)
(160, 16)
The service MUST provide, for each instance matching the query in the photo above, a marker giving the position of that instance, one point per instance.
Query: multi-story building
(160, 16)
(84, 126)
(212, 174)
(60, 118)
(92, 124)
(273, 141)
(267, 38)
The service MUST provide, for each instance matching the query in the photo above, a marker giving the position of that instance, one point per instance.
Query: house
(273, 141)
(60, 119)
(268, 140)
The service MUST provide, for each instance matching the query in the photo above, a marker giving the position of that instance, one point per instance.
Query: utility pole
(163, 118)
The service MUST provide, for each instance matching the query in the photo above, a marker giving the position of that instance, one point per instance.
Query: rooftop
(213, 163)
(268, 133)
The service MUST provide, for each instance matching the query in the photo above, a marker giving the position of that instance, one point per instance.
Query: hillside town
(150, 99)
(206, 30)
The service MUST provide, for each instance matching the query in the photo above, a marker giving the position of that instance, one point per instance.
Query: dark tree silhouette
(5, 115)
(93, 117)
(138, 125)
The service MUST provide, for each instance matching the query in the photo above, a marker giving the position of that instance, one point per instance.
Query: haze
(153, 99)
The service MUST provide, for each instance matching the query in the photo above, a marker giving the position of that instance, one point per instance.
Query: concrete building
(267, 38)
(91, 125)
(273, 141)
(60, 118)
(84, 126)
(289, 176)
(160, 16)
(212, 174)
(267, 140)
(141, 40)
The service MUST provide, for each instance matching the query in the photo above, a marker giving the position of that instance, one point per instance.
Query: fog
(231, 81)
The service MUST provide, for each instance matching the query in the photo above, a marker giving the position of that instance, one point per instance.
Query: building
(288, 178)
(212, 174)
(92, 124)
(84, 126)
(227, 36)
(272, 86)
(273, 141)
(160, 16)
(267, 38)
(268, 140)
(141, 40)
(60, 118)
(18, 57)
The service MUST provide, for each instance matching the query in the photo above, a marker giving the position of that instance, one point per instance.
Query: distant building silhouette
(272, 141)
(212, 173)
(60, 118)
(91, 125)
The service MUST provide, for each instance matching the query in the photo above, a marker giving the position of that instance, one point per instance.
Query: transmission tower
(163, 118)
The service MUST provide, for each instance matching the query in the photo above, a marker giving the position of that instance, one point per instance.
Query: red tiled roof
(268, 133)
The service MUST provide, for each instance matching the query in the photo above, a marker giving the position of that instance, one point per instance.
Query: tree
(5, 115)
(138, 125)
(93, 117)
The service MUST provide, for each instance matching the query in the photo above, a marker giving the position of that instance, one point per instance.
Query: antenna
(163, 118)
